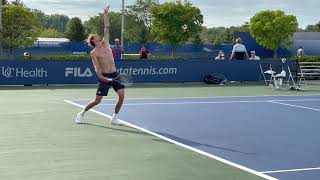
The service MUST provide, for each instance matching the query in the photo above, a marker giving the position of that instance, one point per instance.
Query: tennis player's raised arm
(106, 25)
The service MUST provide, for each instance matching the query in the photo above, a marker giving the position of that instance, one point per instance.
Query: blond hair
(89, 40)
(238, 40)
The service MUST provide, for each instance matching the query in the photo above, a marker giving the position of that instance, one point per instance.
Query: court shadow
(117, 129)
(197, 144)
(311, 91)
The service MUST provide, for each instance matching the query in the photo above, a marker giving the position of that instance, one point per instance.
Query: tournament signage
(14, 72)
(10, 72)
(44, 72)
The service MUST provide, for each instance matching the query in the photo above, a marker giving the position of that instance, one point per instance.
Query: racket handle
(110, 79)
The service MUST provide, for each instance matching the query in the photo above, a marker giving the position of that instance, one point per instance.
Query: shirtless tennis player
(105, 68)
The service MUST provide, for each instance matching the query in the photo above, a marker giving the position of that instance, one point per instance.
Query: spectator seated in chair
(254, 56)
(144, 53)
(220, 56)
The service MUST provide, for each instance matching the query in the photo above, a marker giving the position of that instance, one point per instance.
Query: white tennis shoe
(115, 121)
(79, 117)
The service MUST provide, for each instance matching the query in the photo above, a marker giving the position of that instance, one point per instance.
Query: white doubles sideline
(184, 146)
(292, 105)
(291, 170)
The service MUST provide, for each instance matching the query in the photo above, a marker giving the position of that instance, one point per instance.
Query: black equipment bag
(215, 79)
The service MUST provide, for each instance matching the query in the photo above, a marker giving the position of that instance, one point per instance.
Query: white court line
(290, 170)
(184, 146)
(213, 97)
(303, 107)
(296, 100)
(209, 102)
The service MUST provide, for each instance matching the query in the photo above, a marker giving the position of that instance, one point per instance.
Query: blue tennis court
(275, 137)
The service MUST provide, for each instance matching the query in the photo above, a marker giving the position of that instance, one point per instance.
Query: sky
(215, 12)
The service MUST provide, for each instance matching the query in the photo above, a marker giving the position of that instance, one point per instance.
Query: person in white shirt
(254, 56)
(300, 52)
(239, 51)
(220, 56)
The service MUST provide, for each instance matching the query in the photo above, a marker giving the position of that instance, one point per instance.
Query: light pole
(122, 23)
(1, 38)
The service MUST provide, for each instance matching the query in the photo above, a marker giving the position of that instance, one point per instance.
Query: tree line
(146, 21)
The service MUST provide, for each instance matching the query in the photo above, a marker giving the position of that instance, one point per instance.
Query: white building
(50, 42)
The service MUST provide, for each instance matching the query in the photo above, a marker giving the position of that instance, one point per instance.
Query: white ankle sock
(114, 115)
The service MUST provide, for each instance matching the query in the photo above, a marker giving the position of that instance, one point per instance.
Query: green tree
(204, 35)
(232, 31)
(300, 30)
(75, 30)
(175, 22)
(196, 39)
(135, 31)
(141, 10)
(17, 3)
(57, 21)
(273, 29)
(140, 13)
(244, 27)
(311, 28)
(95, 25)
(5, 2)
(318, 26)
(215, 35)
(50, 33)
(41, 16)
(115, 26)
(19, 27)
(54, 21)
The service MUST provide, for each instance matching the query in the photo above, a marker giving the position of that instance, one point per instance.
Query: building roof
(53, 39)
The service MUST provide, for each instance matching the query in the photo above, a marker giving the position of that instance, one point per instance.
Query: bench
(309, 70)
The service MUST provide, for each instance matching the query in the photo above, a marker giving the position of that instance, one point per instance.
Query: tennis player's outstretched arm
(106, 25)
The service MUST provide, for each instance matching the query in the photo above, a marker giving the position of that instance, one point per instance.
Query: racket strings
(125, 79)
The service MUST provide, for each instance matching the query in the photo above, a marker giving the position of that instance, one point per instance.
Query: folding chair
(280, 77)
(267, 79)
(297, 77)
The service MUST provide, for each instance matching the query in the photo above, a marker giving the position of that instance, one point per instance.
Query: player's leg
(90, 105)
(93, 103)
(102, 90)
(120, 93)
(119, 88)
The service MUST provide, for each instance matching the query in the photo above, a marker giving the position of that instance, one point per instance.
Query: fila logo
(77, 72)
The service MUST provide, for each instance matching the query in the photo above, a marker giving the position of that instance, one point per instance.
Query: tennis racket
(123, 78)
